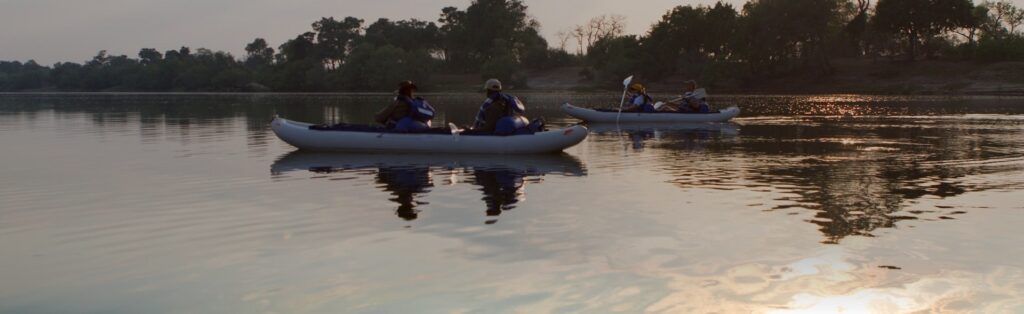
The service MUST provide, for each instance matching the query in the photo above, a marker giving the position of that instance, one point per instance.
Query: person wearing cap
(639, 101)
(690, 101)
(501, 113)
(407, 113)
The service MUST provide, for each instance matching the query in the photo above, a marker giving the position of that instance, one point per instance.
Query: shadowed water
(188, 203)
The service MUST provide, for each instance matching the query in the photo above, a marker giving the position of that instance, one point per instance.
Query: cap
(493, 84)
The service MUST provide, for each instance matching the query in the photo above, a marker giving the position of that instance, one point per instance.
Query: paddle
(625, 84)
(698, 93)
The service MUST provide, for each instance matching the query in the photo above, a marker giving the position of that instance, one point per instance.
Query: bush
(373, 68)
(505, 68)
(1009, 48)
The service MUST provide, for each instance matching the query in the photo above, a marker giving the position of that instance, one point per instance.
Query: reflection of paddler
(501, 179)
(638, 137)
(404, 183)
(502, 188)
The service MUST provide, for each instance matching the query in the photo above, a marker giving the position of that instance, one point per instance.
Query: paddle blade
(658, 105)
(627, 81)
(700, 93)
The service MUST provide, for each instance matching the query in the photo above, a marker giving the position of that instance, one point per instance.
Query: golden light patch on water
(829, 283)
(172, 208)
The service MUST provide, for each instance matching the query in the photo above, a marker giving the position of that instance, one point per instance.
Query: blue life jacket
(647, 105)
(514, 105)
(419, 109)
(703, 107)
(410, 125)
(511, 125)
(702, 104)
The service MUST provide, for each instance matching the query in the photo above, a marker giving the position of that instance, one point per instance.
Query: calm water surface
(188, 203)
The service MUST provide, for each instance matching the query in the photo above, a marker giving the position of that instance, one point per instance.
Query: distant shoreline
(852, 76)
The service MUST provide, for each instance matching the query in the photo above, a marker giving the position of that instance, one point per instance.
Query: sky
(50, 31)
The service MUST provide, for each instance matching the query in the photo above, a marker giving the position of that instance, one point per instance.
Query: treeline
(717, 44)
(492, 38)
(775, 38)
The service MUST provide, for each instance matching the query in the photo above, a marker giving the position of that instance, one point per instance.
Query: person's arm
(385, 114)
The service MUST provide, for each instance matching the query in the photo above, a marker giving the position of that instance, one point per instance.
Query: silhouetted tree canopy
(498, 38)
(921, 20)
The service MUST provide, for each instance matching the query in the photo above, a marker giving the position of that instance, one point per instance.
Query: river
(188, 203)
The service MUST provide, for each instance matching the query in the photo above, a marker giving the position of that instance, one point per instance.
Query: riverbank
(850, 77)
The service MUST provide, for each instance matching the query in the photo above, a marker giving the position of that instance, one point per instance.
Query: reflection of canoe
(591, 115)
(730, 129)
(533, 164)
(299, 134)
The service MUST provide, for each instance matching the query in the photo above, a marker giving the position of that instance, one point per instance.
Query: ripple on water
(159, 202)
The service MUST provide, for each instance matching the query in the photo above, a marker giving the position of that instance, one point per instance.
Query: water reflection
(869, 176)
(658, 219)
(691, 136)
(405, 183)
(501, 179)
(856, 175)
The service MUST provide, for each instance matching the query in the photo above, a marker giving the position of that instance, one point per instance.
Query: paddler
(639, 101)
(500, 114)
(407, 113)
(692, 100)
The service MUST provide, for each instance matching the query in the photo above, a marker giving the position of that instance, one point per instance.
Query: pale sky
(74, 30)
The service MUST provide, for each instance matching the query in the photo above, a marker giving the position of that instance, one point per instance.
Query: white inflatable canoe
(300, 135)
(591, 115)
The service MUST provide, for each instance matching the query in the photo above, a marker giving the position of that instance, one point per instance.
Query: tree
(599, 27)
(772, 34)
(333, 38)
(919, 20)
(614, 58)
(688, 36)
(373, 68)
(856, 28)
(978, 21)
(1004, 12)
(150, 56)
(409, 35)
(258, 53)
(471, 35)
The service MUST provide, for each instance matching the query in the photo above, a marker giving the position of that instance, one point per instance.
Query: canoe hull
(590, 115)
(299, 135)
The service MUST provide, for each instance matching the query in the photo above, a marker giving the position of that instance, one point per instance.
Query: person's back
(406, 113)
(693, 101)
(500, 112)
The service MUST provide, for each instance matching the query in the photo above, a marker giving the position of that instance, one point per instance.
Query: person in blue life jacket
(500, 114)
(407, 113)
(638, 100)
(690, 101)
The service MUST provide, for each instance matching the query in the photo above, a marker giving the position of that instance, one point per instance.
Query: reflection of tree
(187, 117)
(857, 178)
